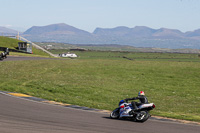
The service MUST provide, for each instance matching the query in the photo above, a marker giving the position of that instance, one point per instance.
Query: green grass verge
(101, 83)
(8, 42)
(38, 52)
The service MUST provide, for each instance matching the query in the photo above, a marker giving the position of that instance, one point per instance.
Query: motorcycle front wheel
(115, 114)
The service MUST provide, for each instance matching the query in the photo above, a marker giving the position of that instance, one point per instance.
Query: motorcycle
(4, 54)
(125, 111)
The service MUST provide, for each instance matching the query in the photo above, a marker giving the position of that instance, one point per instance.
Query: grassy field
(101, 79)
(137, 56)
(113, 47)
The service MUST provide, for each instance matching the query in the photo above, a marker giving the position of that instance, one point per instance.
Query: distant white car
(71, 55)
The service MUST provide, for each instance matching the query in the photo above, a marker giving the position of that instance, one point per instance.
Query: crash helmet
(121, 102)
(141, 93)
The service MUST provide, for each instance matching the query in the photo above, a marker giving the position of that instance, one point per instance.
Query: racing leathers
(143, 99)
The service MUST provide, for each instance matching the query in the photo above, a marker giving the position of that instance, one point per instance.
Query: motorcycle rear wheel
(142, 116)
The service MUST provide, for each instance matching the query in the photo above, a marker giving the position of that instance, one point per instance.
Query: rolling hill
(6, 31)
(57, 33)
(139, 36)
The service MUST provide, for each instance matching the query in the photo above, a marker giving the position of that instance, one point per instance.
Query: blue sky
(90, 14)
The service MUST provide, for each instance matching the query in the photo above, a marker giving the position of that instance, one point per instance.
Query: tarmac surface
(32, 115)
(22, 115)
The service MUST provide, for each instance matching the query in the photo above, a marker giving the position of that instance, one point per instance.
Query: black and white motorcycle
(124, 111)
(4, 54)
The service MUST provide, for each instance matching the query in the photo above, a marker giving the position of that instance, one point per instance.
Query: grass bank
(13, 44)
(8, 42)
(173, 86)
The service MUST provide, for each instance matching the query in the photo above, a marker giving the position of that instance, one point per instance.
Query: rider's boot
(132, 112)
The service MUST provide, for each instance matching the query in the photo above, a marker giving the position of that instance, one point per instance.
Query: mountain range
(6, 31)
(139, 36)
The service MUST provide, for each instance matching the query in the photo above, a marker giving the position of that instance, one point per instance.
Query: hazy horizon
(90, 14)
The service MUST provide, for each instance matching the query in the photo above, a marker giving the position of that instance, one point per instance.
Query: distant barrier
(13, 50)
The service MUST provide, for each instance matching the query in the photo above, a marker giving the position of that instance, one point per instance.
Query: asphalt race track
(18, 115)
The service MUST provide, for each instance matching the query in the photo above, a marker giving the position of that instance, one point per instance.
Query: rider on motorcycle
(142, 98)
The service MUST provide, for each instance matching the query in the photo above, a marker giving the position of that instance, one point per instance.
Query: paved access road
(19, 115)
